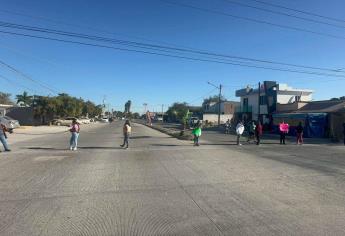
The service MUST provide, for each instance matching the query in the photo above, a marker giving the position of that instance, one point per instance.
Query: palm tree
(25, 99)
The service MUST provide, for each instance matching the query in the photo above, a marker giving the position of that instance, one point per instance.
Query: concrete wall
(25, 115)
(214, 118)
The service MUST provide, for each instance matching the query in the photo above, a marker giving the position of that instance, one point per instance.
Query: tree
(136, 115)
(128, 106)
(64, 105)
(214, 98)
(5, 98)
(25, 99)
(338, 99)
(178, 112)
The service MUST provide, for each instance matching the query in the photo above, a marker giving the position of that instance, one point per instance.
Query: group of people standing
(75, 130)
(254, 132)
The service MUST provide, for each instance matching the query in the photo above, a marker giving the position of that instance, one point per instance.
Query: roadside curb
(175, 134)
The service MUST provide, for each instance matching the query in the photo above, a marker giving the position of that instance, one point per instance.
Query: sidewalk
(25, 133)
(171, 129)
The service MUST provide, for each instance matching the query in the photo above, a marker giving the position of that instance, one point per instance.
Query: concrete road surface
(163, 186)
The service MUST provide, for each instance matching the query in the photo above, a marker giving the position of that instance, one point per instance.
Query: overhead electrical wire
(252, 19)
(283, 13)
(11, 82)
(23, 75)
(298, 10)
(162, 48)
(176, 56)
(59, 22)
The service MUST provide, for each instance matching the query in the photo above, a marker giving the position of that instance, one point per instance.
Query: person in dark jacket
(258, 132)
(299, 133)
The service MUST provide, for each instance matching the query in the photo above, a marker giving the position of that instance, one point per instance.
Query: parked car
(64, 121)
(9, 123)
(85, 120)
(104, 120)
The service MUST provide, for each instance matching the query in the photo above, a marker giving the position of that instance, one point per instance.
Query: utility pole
(162, 113)
(219, 99)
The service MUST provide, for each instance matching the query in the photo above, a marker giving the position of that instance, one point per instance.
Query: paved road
(164, 186)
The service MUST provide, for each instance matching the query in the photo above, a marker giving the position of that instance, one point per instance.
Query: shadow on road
(65, 149)
(140, 137)
(47, 148)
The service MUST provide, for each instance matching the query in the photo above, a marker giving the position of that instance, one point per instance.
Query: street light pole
(219, 99)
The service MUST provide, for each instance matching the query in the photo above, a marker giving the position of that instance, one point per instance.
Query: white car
(84, 120)
(104, 120)
(9, 123)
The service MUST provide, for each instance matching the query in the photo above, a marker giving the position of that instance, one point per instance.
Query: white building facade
(261, 103)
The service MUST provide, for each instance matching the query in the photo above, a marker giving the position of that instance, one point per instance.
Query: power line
(59, 22)
(299, 11)
(202, 97)
(154, 46)
(11, 82)
(26, 76)
(253, 20)
(283, 14)
(175, 56)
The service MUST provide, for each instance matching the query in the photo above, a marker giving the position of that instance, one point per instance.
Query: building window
(263, 100)
(245, 102)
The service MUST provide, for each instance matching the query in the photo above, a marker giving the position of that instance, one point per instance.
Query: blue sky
(93, 73)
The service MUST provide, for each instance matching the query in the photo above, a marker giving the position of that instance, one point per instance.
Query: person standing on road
(283, 129)
(239, 131)
(127, 129)
(251, 131)
(197, 133)
(75, 129)
(299, 132)
(3, 137)
(227, 126)
(258, 132)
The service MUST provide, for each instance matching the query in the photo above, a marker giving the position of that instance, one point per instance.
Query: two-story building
(261, 103)
(227, 111)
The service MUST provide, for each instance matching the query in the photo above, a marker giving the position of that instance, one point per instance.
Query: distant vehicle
(85, 120)
(159, 118)
(104, 120)
(64, 121)
(9, 123)
(193, 121)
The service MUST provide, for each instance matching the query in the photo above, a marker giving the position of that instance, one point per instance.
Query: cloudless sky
(92, 73)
